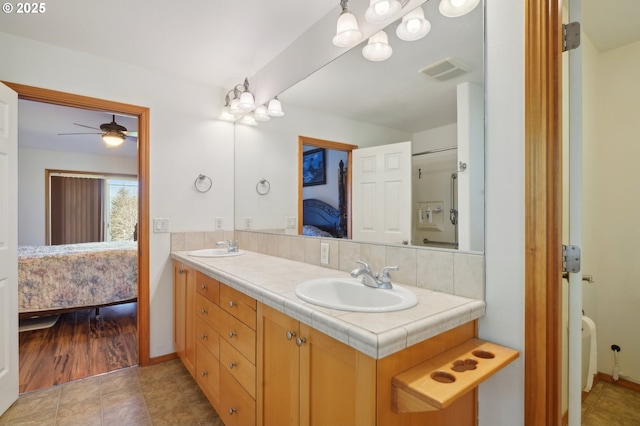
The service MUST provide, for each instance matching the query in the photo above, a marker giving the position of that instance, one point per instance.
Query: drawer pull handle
(203, 336)
(232, 410)
(232, 333)
(232, 303)
(291, 335)
(300, 341)
(204, 374)
(204, 311)
(232, 364)
(204, 287)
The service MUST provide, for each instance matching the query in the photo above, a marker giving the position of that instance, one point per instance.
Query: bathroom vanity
(262, 356)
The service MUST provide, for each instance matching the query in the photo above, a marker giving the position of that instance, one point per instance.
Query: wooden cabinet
(184, 299)
(215, 337)
(307, 378)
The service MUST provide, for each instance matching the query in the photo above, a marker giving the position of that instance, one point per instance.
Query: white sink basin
(349, 294)
(214, 252)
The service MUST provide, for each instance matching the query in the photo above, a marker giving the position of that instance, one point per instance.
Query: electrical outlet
(219, 224)
(248, 222)
(324, 253)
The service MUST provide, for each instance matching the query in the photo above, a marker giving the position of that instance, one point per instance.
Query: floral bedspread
(76, 275)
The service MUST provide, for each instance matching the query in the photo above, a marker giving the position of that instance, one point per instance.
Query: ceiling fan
(113, 134)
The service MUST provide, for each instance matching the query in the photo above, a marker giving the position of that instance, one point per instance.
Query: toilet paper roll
(588, 324)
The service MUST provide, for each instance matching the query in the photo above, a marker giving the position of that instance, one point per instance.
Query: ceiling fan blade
(133, 138)
(66, 134)
(134, 134)
(88, 127)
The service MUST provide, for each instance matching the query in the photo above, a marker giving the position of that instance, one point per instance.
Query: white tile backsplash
(445, 271)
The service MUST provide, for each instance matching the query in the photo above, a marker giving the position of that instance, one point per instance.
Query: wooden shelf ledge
(437, 383)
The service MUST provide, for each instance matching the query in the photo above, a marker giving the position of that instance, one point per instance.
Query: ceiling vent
(445, 69)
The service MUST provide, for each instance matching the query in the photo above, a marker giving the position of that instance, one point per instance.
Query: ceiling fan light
(347, 32)
(380, 11)
(377, 49)
(113, 139)
(275, 108)
(456, 8)
(414, 26)
(246, 102)
(261, 114)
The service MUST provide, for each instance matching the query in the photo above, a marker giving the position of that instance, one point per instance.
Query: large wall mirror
(429, 93)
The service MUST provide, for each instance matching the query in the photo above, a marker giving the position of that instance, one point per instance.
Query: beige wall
(611, 230)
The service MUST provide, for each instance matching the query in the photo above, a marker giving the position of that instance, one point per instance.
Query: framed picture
(313, 168)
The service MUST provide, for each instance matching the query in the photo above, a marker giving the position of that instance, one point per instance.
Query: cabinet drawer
(239, 367)
(239, 335)
(208, 374)
(208, 287)
(208, 337)
(236, 406)
(239, 305)
(208, 311)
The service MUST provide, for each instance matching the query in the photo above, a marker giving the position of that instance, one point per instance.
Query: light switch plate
(160, 224)
(324, 253)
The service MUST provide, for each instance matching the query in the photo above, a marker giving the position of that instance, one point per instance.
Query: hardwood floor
(79, 345)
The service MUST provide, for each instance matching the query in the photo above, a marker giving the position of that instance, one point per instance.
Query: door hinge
(571, 259)
(570, 36)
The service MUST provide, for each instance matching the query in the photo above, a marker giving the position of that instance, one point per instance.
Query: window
(88, 207)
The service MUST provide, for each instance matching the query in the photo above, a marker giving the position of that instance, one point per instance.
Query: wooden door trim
(543, 212)
(336, 146)
(142, 113)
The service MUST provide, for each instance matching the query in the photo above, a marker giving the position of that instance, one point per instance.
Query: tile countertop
(272, 281)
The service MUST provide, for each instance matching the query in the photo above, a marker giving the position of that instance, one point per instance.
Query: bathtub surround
(446, 271)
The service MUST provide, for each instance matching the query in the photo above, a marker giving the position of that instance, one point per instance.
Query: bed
(321, 219)
(64, 278)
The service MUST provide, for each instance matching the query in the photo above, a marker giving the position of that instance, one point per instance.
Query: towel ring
(263, 187)
(203, 183)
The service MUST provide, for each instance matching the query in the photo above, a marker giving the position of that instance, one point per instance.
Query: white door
(574, 119)
(8, 247)
(381, 193)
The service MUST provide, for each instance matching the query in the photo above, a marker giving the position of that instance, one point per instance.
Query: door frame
(336, 146)
(543, 212)
(142, 113)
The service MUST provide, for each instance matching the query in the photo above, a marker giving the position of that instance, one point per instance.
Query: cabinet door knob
(204, 374)
(204, 287)
(232, 303)
(232, 410)
(232, 364)
(204, 311)
(300, 341)
(203, 336)
(291, 335)
(232, 333)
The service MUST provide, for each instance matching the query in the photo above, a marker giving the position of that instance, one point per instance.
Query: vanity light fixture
(275, 108)
(248, 120)
(246, 101)
(456, 8)
(261, 114)
(380, 11)
(347, 32)
(377, 49)
(414, 26)
(112, 138)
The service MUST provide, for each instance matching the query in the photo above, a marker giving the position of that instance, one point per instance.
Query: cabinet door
(179, 308)
(190, 322)
(337, 382)
(278, 368)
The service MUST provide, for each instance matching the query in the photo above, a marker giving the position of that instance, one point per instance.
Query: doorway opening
(141, 315)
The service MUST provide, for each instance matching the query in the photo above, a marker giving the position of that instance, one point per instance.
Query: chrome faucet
(370, 279)
(232, 246)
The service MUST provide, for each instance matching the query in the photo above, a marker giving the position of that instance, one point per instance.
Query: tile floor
(611, 405)
(163, 394)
